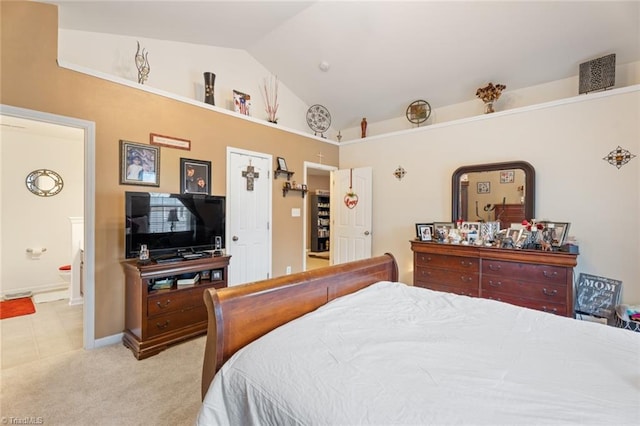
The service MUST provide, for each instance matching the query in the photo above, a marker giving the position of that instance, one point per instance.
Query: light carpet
(107, 386)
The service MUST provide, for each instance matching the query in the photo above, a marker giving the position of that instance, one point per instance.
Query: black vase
(209, 81)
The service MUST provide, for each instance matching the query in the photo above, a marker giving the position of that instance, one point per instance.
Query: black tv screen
(171, 223)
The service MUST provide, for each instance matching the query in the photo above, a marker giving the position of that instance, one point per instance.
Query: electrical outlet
(288, 270)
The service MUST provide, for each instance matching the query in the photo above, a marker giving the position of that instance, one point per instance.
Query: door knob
(366, 232)
(234, 238)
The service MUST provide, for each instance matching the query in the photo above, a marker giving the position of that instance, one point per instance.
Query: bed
(348, 344)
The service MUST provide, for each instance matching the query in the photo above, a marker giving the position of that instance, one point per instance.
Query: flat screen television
(172, 223)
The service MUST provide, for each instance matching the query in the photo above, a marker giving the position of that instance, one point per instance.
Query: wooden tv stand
(155, 319)
(533, 279)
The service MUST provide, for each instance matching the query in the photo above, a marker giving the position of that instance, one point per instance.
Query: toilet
(65, 273)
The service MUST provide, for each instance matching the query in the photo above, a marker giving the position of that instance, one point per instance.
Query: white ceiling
(385, 54)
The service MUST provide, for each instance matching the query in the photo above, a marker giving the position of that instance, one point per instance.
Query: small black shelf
(286, 173)
(287, 187)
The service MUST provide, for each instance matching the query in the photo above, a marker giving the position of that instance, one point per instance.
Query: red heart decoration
(350, 200)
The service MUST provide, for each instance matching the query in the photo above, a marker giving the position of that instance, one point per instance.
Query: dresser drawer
(506, 285)
(176, 320)
(449, 262)
(525, 271)
(462, 290)
(539, 305)
(445, 276)
(174, 301)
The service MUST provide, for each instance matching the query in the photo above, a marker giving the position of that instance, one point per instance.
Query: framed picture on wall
(139, 164)
(484, 187)
(507, 176)
(195, 176)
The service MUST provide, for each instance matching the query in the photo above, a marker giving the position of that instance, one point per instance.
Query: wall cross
(250, 174)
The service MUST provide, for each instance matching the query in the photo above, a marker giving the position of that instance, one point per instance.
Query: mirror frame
(529, 179)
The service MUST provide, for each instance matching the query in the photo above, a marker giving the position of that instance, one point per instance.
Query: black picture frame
(282, 164)
(425, 231)
(139, 164)
(484, 188)
(195, 176)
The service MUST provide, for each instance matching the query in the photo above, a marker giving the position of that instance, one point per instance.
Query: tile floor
(54, 328)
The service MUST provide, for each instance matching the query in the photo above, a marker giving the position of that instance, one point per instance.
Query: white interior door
(351, 205)
(248, 236)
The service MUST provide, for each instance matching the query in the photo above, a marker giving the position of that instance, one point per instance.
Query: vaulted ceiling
(382, 55)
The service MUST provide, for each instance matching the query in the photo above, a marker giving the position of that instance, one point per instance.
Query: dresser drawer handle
(495, 284)
(465, 263)
(549, 293)
(550, 274)
(425, 272)
(550, 310)
(161, 306)
(466, 278)
(161, 326)
(494, 267)
(425, 258)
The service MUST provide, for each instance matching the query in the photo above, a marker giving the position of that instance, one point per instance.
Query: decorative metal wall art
(618, 157)
(142, 63)
(418, 112)
(44, 183)
(598, 74)
(318, 119)
(399, 173)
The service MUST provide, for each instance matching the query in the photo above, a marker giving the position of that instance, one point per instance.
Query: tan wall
(31, 79)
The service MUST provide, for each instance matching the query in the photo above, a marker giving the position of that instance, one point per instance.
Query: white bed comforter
(394, 354)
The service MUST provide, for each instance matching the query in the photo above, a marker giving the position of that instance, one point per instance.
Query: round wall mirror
(503, 192)
(44, 183)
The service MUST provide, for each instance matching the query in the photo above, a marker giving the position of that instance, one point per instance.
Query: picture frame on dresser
(419, 228)
(555, 232)
(425, 231)
(441, 229)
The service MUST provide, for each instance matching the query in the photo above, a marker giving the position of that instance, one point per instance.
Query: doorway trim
(305, 216)
(88, 271)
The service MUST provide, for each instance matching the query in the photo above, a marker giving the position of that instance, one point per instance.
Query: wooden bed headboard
(239, 315)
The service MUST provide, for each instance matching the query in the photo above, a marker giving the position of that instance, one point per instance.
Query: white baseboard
(109, 340)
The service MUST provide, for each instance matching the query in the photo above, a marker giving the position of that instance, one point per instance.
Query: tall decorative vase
(209, 81)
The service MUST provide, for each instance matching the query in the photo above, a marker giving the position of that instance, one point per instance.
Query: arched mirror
(503, 192)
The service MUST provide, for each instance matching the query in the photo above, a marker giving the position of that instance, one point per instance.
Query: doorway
(248, 216)
(41, 119)
(316, 251)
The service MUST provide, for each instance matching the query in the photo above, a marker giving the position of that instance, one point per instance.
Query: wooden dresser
(531, 278)
(155, 319)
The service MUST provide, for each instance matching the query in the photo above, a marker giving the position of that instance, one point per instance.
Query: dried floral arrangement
(490, 93)
(270, 94)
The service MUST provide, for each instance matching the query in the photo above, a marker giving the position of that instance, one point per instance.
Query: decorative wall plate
(418, 111)
(318, 119)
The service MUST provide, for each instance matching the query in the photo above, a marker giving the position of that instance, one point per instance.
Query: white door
(248, 236)
(351, 204)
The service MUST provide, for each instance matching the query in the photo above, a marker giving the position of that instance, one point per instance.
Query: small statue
(363, 127)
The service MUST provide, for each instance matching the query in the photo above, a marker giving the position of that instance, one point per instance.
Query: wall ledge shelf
(549, 104)
(285, 173)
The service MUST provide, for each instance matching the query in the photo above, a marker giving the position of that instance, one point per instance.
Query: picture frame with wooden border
(282, 164)
(139, 164)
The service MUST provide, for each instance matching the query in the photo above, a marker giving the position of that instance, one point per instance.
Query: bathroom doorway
(18, 123)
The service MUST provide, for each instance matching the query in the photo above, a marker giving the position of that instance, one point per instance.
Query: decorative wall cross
(250, 174)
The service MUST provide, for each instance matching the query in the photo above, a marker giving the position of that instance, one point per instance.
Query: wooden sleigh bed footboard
(239, 315)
